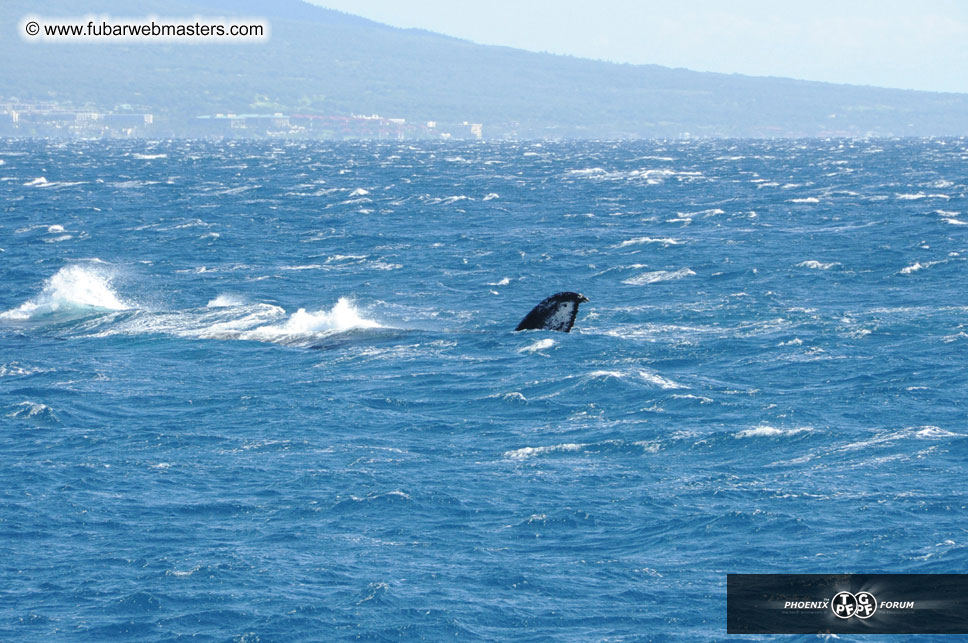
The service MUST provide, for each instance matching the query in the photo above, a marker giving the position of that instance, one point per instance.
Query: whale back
(557, 312)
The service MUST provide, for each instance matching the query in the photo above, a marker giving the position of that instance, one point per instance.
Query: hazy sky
(911, 44)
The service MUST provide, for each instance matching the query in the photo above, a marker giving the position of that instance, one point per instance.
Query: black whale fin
(557, 312)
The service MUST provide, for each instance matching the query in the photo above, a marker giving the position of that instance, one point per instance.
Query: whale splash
(73, 290)
(84, 295)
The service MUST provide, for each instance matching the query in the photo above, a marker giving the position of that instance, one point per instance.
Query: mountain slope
(326, 62)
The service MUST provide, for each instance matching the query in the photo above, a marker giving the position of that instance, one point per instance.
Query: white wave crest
(711, 212)
(921, 195)
(764, 430)
(917, 265)
(668, 241)
(602, 374)
(80, 290)
(650, 377)
(448, 200)
(225, 301)
(657, 276)
(28, 410)
(72, 288)
(934, 433)
(226, 318)
(13, 369)
(816, 265)
(529, 452)
(539, 345)
(301, 324)
(702, 399)
(658, 380)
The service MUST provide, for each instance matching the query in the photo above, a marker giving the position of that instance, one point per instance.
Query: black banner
(847, 603)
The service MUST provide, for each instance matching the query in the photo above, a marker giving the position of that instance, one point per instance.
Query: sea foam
(77, 289)
(302, 324)
(658, 276)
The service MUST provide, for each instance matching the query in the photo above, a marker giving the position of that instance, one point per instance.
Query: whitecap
(32, 411)
(193, 223)
(302, 324)
(539, 345)
(658, 380)
(450, 199)
(702, 399)
(308, 266)
(668, 241)
(765, 430)
(182, 573)
(816, 265)
(345, 258)
(917, 265)
(658, 276)
(72, 288)
(529, 452)
(921, 195)
(601, 374)
(688, 216)
(934, 433)
(14, 369)
(225, 301)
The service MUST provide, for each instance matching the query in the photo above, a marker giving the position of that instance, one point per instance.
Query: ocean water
(269, 391)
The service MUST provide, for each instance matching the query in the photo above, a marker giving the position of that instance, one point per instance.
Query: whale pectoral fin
(557, 312)
(534, 320)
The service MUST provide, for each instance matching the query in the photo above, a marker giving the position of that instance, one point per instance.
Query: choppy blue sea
(269, 391)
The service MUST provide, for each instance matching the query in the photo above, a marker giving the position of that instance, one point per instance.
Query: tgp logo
(847, 605)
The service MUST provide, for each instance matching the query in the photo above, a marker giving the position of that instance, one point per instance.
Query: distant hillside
(324, 62)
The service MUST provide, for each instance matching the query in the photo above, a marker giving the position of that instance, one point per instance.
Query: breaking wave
(657, 276)
(73, 290)
(84, 291)
(813, 264)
